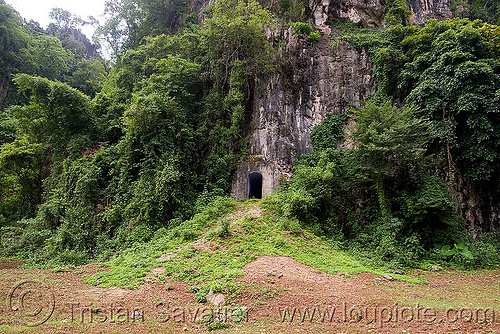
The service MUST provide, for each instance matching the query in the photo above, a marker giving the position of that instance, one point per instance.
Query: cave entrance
(255, 185)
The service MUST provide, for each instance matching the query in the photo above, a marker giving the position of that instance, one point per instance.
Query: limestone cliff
(424, 10)
(370, 13)
(316, 79)
(477, 202)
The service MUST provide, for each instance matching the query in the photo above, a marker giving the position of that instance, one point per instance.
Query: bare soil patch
(280, 295)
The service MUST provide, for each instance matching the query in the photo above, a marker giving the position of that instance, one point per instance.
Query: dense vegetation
(433, 119)
(84, 177)
(94, 160)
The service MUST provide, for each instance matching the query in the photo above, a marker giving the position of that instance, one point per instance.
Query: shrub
(301, 28)
(314, 36)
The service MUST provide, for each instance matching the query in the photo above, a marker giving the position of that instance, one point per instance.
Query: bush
(314, 36)
(141, 233)
(301, 28)
(380, 196)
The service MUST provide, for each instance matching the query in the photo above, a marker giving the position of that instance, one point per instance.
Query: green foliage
(130, 21)
(461, 68)
(26, 49)
(13, 38)
(389, 143)
(241, 27)
(319, 195)
(486, 11)
(22, 172)
(144, 163)
(64, 18)
(368, 39)
(122, 29)
(314, 36)
(375, 191)
(289, 10)
(47, 57)
(158, 142)
(329, 132)
(192, 252)
(306, 30)
(156, 171)
(56, 124)
(302, 28)
(88, 76)
(448, 70)
(58, 115)
(396, 12)
(460, 248)
(388, 138)
(86, 69)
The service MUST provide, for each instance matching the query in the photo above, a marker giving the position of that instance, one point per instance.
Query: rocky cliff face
(424, 10)
(74, 40)
(477, 202)
(316, 79)
(370, 13)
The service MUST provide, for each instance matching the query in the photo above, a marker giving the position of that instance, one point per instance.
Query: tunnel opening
(255, 185)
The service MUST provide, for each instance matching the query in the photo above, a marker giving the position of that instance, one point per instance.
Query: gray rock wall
(424, 10)
(316, 79)
(369, 13)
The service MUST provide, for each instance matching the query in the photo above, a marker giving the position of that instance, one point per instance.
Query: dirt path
(279, 295)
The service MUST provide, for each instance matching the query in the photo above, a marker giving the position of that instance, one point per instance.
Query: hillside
(354, 144)
(273, 277)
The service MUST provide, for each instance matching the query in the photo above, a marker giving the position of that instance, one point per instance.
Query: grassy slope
(209, 251)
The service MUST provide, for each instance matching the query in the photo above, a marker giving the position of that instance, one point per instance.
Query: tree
(235, 36)
(65, 19)
(121, 29)
(22, 171)
(450, 70)
(389, 142)
(13, 38)
(26, 49)
(58, 115)
(454, 78)
(87, 70)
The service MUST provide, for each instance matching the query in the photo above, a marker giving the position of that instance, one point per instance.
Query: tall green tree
(389, 142)
(122, 27)
(13, 38)
(454, 77)
(87, 70)
(58, 116)
(25, 49)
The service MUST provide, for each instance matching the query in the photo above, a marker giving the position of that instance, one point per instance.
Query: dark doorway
(255, 185)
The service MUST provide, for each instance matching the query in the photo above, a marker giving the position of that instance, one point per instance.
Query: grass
(209, 250)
